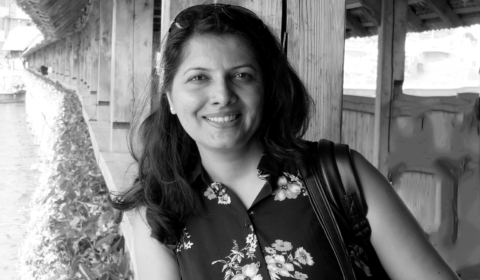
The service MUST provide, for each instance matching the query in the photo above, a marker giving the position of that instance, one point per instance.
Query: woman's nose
(222, 93)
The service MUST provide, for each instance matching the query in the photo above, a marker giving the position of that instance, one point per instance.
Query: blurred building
(11, 17)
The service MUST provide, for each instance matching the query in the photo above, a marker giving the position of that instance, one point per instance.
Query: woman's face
(217, 92)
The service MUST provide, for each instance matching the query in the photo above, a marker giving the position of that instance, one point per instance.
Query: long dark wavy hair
(168, 154)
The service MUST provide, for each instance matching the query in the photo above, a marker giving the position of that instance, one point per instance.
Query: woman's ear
(169, 97)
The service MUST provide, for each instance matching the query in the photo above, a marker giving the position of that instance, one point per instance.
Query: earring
(172, 111)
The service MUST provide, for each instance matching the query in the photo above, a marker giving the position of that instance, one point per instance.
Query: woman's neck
(230, 166)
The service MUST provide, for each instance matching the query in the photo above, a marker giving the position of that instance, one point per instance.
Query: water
(17, 183)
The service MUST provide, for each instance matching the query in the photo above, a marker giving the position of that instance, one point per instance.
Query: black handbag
(340, 207)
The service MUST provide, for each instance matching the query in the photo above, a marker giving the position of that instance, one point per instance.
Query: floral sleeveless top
(278, 237)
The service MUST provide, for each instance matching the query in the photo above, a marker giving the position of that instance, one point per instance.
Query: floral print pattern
(217, 190)
(249, 272)
(280, 261)
(231, 264)
(183, 243)
(289, 186)
(262, 174)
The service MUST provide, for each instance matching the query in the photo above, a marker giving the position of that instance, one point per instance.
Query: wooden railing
(433, 163)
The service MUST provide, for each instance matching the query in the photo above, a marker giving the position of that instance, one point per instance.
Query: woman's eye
(197, 78)
(243, 76)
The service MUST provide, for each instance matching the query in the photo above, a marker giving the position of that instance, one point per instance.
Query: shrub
(73, 232)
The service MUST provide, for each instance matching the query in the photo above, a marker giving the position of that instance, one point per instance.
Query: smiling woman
(217, 94)
(219, 192)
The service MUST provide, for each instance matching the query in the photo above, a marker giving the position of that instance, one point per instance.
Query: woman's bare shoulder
(152, 259)
(398, 239)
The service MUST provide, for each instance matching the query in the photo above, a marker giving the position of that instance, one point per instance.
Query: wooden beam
(75, 58)
(391, 65)
(143, 46)
(372, 9)
(122, 73)
(414, 23)
(445, 12)
(355, 25)
(352, 4)
(269, 11)
(315, 45)
(68, 60)
(94, 27)
(371, 18)
(81, 61)
(105, 60)
(170, 8)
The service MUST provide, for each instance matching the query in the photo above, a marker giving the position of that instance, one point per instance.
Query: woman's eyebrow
(245, 65)
(208, 69)
(196, 68)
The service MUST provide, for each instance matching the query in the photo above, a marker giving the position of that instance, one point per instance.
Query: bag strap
(324, 213)
(353, 202)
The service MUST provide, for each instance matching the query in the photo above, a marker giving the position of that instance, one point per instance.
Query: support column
(62, 59)
(68, 60)
(94, 48)
(75, 59)
(132, 40)
(105, 60)
(121, 90)
(81, 61)
(391, 65)
(315, 35)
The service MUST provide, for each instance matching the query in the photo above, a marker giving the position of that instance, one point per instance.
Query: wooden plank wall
(109, 63)
(433, 164)
(105, 60)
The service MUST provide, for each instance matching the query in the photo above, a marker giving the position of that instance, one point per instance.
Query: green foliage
(74, 233)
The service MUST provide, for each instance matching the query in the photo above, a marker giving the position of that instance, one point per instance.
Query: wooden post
(58, 61)
(84, 56)
(170, 9)
(68, 60)
(81, 61)
(142, 44)
(105, 60)
(316, 43)
(269, 11)
(122, 73)
(92, 100)
(391, 64)
(94, 28)
(62, 57)
(75, 58)
(53, 52)
(132, 40)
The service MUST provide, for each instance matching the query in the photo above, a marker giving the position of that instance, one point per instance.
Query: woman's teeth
(222, 119)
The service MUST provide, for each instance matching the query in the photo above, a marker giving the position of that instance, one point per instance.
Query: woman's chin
(225, 146)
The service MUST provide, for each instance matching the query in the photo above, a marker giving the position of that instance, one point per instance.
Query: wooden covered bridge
(107, 50)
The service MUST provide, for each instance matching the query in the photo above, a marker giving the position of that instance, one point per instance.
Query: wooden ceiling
(57, 19)
(363, 16)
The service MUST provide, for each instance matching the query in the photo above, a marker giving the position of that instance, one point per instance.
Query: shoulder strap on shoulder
(323, 210)
(351, 198)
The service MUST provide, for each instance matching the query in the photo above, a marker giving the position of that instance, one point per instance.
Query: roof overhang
(56, 19)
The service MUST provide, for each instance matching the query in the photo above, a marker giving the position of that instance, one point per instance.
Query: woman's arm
(153, 260)
(398, 239)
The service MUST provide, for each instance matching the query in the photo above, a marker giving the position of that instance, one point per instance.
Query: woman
(218, 193)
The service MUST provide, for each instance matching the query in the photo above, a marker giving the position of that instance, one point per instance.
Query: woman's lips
(222, 118)
(225, 119)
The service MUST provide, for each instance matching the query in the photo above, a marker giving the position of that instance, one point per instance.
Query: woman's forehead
(208, 48)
